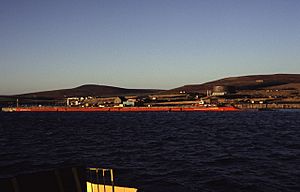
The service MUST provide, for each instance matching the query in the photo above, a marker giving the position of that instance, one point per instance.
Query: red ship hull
(121, 109)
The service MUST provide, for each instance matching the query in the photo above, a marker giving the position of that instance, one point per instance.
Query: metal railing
(98, 177)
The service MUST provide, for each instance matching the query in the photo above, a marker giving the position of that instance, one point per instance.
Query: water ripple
(248, 151)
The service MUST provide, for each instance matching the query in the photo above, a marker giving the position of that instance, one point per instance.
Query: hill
(88, 90)
(243, 83)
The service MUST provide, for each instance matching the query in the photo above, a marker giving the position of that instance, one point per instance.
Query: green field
(7, 99)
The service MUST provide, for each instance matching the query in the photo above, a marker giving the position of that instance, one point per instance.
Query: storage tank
(222, 90)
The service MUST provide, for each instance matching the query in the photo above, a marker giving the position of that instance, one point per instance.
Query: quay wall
(115, 109)
(268, 106)
(127, 109)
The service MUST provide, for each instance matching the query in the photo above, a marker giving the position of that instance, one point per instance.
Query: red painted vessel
(118, 109)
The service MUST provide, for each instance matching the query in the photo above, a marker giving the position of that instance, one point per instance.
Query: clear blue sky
(53, 44)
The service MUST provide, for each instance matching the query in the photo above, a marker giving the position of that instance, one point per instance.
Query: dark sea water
(161, 151)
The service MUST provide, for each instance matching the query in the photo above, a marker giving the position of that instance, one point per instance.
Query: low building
(73, 101)
(169, 97)
(107, 101)
(94, 102)
(128, 103)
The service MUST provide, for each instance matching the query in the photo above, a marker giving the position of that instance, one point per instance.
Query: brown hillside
(253, 82)
(241, 84)
(89, 90)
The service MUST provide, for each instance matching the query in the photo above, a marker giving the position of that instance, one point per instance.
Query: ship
(120, 109)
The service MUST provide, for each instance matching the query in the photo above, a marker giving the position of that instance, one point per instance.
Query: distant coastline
(254, 92)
